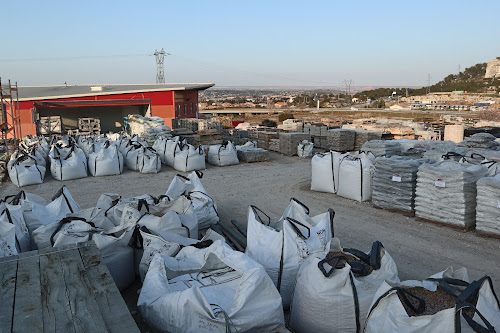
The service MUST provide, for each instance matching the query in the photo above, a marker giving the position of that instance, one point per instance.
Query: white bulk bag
(191, 186)
(387, 313)
(213, 289)
(223, 155)
(355, 172)
(113, 205)
(282, 246)
(249, 144)
(170, 150)
(160, 145)
(305, 149)
(330, 295)
(107, 161)
(32, 153)
(13, 214)
(7, 240)
(131, 156)
(324, 171)
(25, 170)
(188, 158)
(149, 161)
(67, 163)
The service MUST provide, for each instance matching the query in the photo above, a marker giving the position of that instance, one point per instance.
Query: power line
(75, 57)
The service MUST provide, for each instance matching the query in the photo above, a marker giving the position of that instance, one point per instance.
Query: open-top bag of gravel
(444, 303)
(446, 192)
(334, 290)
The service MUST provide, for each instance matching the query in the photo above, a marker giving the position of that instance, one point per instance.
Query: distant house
(279, 105)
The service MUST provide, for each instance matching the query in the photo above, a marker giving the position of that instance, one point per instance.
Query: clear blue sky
(246, 43)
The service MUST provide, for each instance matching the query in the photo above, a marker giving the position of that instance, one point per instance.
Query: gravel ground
(419, 248)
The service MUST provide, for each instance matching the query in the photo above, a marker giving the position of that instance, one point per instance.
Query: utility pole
(347, 89)
(160, 56)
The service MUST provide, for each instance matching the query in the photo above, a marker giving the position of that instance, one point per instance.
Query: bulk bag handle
(294, 222)
(450, 154)
(256, 211)
(356, 267)
(65, 220)
(300, 203)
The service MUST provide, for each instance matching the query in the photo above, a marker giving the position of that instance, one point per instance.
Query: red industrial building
(109, 103)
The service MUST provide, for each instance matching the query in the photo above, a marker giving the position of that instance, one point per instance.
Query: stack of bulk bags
(324, 167)
(188, 158)
(107, 161)
(14, 235)
(24, 169)
(446, 192)
(488, 205)
(395, 181)
(305, 149)
(354, 176)
(67, 162)
(223, 155)
(333, 291)
(191, 187)
(445, 302)
(382, 147)
(282, 246)
(214, 289)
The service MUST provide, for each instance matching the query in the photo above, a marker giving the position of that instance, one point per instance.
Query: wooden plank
(111, 304)
(28, 303)
(8, 273)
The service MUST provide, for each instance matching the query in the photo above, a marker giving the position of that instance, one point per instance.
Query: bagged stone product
(355, 175)
(223, 155)
(488, 205)
(382, 147)
(363, 136)
(445, 302)
(13, 214)
(188, 158)
(250, 155)
(334, 290)
(446, 192)
(282, 246)
(67, 163)
(24, 170)
(395, 181)
(106, 162)
(324, 171)
(305, 149)
(341, 140)
(482, 141)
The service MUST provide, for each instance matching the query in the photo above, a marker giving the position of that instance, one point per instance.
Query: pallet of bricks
(238, 137)
(317, 133)
(207, 137)
(288, 142)
(195, 125)
(268, 140)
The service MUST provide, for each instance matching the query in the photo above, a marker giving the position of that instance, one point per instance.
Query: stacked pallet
(363, 136)
(395, 181)
(250, 155)
(318, 133)
(382, 147)
(208, 137)
(264, 138)
(195, 125)
(274, 145)
(294, 125)
(446, 192)
(340, 139)
(488, 205)
(288, 142)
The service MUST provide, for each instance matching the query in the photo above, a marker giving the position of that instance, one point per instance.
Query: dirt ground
(419, 248)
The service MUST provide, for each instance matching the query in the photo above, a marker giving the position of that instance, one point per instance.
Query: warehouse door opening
(83, 117)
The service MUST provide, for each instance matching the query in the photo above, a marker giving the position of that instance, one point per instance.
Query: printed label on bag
(396, 178)
(440, 183)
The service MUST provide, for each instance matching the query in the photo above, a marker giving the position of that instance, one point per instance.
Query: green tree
(284, 116)
(268, 123)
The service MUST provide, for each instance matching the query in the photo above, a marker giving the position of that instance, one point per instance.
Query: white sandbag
(387, 313)
(107, 162)
(213, 289)
(67, 163)
(188, 158)
(13, 214)
(330, 295)
(25, 170)
(191, 187)
(170, 150)
(324, 171)
(282, 246)
(223, 155)
(355, 173)
(131, 156)
(305, 149)
(8, 240)
(149, 161)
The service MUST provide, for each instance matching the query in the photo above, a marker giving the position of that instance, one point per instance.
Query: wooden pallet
(486, 235)
(394, 210)
(442, 224)
(63, 289)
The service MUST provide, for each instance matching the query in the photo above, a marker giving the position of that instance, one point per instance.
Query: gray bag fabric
(382, 147)
(488, 205)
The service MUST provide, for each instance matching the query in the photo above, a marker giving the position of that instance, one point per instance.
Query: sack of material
(191, 187)
(446, 192)
(223, 155)
(67, 163)
(305, 149)
(13, 214)
(113, 205)
(25, 170)
(149, 161)
(395, 181)
(188, 158)
(106, 162)
(282, 246)
(8, 240)
(355, 173)
(213, 289)
(445, 302)
(324, 171)
(488, 203)
(170, 150)
(249, 144)
(333, 291)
